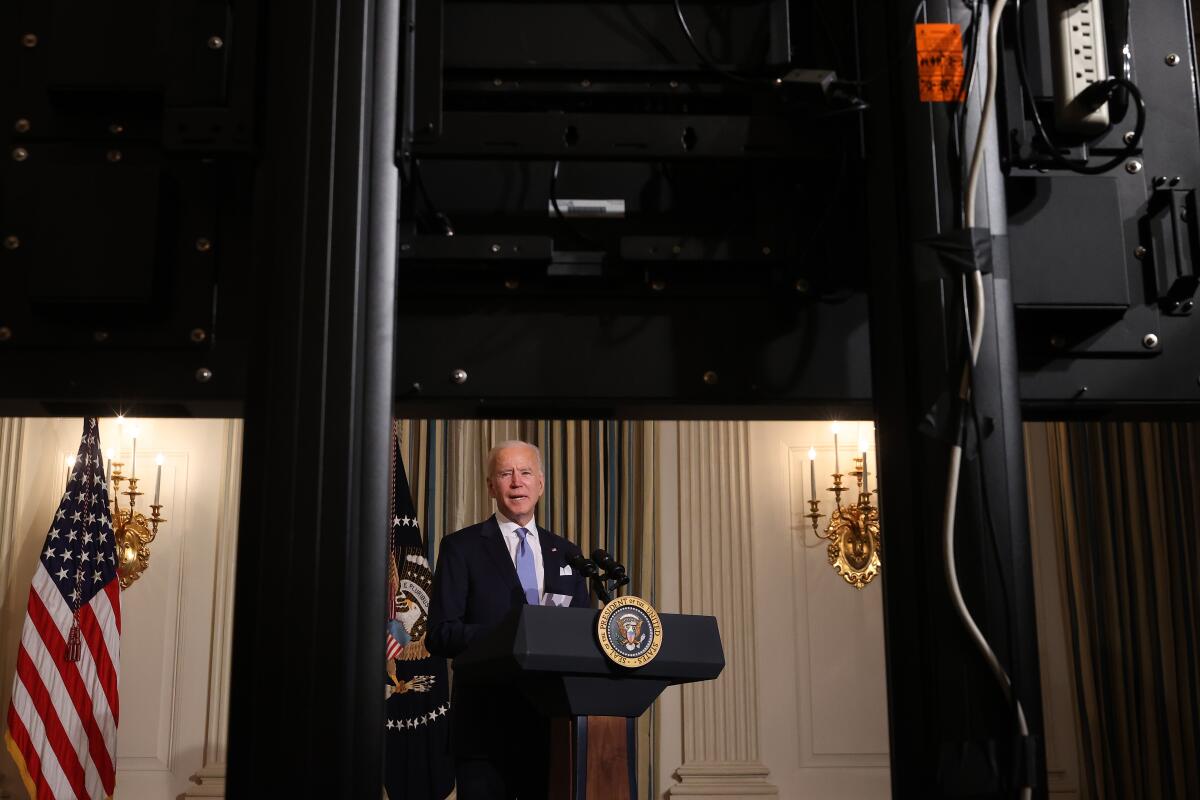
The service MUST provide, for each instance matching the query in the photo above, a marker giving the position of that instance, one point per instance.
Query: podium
(552, 655)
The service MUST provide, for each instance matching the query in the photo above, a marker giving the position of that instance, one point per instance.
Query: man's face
(516, 483)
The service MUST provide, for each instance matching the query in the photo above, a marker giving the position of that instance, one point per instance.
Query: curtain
(600, 492)
(1126, 497)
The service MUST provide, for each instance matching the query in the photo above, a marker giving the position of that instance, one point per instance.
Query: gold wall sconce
(133, 530)
(853, 530)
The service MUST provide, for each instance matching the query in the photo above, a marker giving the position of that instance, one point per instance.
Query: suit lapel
(551, 557)
(493, 543)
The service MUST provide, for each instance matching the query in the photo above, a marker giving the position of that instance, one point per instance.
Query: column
(720, 718)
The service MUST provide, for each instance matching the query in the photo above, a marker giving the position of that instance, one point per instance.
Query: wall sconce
(853, 529)
(133, 530)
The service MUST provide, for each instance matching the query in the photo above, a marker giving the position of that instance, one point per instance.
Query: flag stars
(66, 556)
(61, 574)
(85, 556)
(87, 536)
(76, 516)
(96, 576)
(54, 534)
(60, 515)
(49, 553)
(75, 595)
(73, 535)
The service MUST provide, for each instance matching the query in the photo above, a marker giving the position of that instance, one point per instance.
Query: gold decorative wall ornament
(853, 530)
(133, 531)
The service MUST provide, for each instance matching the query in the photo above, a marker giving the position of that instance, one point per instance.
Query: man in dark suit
(485, 571)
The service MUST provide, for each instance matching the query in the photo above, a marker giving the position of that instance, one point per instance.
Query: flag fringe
(19, 758)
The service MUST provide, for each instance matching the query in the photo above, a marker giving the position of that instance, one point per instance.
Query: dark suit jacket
(475, 586)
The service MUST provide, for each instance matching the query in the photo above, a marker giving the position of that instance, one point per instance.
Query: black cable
(562, 217)
(705, 61)
(443, 221)
(1094, 96)
(1010, 634)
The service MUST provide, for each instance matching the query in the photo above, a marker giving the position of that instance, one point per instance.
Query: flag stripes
(62, 720)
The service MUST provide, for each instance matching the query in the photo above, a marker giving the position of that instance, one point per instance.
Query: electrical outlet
(1080, 58)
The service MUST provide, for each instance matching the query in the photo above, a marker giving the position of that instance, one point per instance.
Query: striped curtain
(600, 492)
(1127, 504)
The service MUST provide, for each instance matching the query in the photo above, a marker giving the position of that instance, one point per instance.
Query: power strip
(1080, 58)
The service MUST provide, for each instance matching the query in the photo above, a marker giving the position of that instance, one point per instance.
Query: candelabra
(853, 529)
(133, 531)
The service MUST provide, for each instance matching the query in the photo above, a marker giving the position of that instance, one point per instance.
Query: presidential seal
(630, 631)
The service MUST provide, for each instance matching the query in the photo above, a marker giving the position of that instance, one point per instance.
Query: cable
(1096, 95)
(700, 54)
(563, 217)
(976, 317)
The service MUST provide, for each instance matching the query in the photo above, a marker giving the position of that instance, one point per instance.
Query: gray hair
(491, 456)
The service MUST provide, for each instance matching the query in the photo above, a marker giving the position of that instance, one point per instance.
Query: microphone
(612, 569)
(585, 565)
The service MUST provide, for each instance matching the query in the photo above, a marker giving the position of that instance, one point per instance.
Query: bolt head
(495, 248)
(459, 376)
(512, 283)
(585, 83)
(20, 154)
(203, 375)
(1058, 342)
(801, 285)
(673, 84)
(1172, 59)
(1133, 167)
(1186, 306)
(5, 333)
(497, 82)
(1129, 137)
(1139, 252)
(199, 335)
(203, 245)
(29, 40)
(658, 284)
(22, 125)
(116, 129)
(215, 43)
(676, 249)
(766, 251)
(113, 156)
(1150, 341)
(11, 242)
(711, 378)
(100, 337)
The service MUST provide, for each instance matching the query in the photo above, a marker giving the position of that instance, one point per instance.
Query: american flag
(62, 721)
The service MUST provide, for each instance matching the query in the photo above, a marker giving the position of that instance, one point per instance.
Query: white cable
(977, 316)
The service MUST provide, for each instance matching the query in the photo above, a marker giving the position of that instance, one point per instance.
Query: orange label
(939, 61)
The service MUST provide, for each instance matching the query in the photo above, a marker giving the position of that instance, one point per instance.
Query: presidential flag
(419, 765)
(62, 721)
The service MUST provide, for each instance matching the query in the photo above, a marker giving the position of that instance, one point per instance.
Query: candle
(108, 472)
(837, 467)
(812, 471)
(158, 459)
(70, 462)
(133, 455)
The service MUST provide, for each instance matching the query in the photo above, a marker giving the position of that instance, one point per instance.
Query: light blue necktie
(527, 570)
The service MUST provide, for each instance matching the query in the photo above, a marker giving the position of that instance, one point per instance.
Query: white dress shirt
(508, 529)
